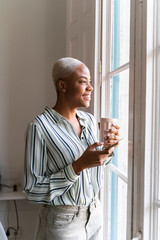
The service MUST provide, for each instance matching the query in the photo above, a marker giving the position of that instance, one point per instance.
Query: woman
(63, 159)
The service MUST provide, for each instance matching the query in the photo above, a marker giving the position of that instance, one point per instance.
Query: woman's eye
(83, 81)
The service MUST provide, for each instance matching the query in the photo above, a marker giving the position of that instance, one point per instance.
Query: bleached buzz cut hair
(63, 68)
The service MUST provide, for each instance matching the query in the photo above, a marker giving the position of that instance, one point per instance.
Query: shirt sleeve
(40, 186)
(108, 159)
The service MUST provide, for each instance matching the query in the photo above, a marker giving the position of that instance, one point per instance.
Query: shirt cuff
(70, 173)
(108, 159)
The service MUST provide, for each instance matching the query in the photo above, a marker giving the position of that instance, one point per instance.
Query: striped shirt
(51, 147)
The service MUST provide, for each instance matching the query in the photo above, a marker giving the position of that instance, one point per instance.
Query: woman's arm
(40, 186)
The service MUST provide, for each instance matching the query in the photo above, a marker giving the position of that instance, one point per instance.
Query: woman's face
(78, 87)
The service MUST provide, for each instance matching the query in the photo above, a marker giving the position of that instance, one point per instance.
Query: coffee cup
(106, 124)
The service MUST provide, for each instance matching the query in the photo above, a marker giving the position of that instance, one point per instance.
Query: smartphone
(113, 145)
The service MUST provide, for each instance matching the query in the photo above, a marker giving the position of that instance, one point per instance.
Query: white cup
(105, 124)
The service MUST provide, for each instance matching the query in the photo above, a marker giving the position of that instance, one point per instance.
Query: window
(152, 166)
(130, 91)
(115, 104)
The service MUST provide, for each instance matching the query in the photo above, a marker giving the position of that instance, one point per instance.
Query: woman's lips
(87, 97)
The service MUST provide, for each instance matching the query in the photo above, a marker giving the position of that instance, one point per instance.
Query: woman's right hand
(91, 158)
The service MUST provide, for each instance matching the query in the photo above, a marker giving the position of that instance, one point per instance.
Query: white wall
(32, 38)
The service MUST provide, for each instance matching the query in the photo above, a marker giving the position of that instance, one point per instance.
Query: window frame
(105, 106)
(153, 112)
(142, 219)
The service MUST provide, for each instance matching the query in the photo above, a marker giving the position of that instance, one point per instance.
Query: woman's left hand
(111, 136)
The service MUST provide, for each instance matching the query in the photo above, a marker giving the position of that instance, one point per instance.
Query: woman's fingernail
(101, 143)
(107, 130)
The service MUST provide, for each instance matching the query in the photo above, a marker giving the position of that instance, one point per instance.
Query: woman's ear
(61, 85)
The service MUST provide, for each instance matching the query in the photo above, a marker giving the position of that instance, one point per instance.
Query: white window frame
(143, 145)
(151, 203)
(104, 69)
(147, 117)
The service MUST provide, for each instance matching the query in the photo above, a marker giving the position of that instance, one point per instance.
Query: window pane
(120, 24)
(119, 107)
(117, 208)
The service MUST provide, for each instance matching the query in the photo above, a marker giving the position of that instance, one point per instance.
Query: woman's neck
(65, 111)
(70, 115)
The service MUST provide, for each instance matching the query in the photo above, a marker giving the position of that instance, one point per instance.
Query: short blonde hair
(63, 68)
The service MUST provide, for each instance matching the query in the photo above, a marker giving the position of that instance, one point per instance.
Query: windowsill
(7, 194)
(12, 195)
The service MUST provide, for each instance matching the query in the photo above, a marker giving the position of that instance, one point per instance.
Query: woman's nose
(89, 87)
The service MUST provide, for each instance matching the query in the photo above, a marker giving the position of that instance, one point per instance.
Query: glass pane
(117, 208)
(119, 109)
(120, 25)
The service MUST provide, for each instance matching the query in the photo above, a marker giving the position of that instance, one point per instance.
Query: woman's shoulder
(43, 117)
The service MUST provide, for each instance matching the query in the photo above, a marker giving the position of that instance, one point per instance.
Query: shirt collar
(53, 114)
(58, 117)
(81, 118)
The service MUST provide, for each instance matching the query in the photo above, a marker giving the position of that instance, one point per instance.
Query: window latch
(100, 72)
(138, 236)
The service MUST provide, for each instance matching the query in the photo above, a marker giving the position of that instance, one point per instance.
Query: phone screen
(113, 145)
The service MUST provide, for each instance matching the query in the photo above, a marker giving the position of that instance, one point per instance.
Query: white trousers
(70, 222)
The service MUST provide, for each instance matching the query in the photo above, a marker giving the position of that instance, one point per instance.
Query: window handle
(138, 236)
